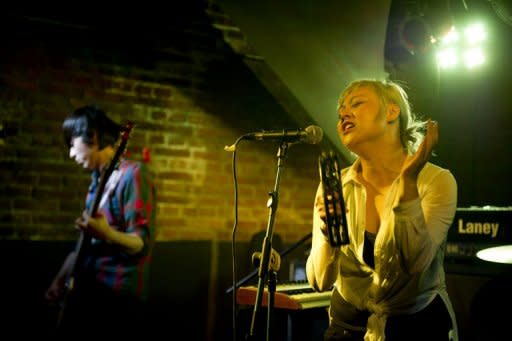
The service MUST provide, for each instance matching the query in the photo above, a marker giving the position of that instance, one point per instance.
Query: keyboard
(295, 295)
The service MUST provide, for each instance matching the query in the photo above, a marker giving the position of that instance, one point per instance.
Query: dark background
(208, 51)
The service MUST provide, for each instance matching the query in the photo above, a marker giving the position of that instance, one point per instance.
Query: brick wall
(189, 94)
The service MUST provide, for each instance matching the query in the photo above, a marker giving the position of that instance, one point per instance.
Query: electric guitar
(84, 239)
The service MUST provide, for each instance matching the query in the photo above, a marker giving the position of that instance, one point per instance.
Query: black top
(369, 245)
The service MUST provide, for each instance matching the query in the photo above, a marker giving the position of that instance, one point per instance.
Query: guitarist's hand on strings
(96, 226)
(99, 228)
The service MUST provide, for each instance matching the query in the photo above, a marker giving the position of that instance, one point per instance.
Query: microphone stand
(266, 267)
(283, 254)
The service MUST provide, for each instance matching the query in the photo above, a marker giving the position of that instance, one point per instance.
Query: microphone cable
(232, 148)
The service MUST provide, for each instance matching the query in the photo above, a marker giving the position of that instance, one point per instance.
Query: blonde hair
(411, 128)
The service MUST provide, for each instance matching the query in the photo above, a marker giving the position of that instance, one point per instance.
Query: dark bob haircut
(90, 121)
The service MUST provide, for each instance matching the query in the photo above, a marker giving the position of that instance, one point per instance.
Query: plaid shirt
(130, 208)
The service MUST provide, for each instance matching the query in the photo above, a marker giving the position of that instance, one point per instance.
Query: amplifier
(475, 228)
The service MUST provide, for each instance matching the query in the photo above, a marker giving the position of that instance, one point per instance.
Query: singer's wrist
(323, 230)
(408, 189)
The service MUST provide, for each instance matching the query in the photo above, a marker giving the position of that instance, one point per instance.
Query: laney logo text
(482, 228)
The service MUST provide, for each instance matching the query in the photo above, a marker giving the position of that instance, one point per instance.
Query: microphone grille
(314, 134)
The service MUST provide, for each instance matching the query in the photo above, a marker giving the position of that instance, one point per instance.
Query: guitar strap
(110, 186)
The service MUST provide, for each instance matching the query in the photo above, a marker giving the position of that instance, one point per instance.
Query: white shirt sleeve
(421, 225)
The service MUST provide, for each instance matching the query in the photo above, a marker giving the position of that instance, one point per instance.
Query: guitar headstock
(122, 142)
(120, 145)
(127, 130)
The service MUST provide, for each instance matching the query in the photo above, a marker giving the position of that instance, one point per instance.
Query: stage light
(498, 254)
(475, 33)
(454, 49)
(473, 57)
(447, 58)
(451, 37)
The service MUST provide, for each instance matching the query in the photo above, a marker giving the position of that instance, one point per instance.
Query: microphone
(311, 134)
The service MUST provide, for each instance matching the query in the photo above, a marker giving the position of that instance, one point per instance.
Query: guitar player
(109, 278)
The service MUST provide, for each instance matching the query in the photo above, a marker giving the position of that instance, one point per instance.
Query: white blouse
(409, 250)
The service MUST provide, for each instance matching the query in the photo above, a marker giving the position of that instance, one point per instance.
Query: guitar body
(73, 279)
